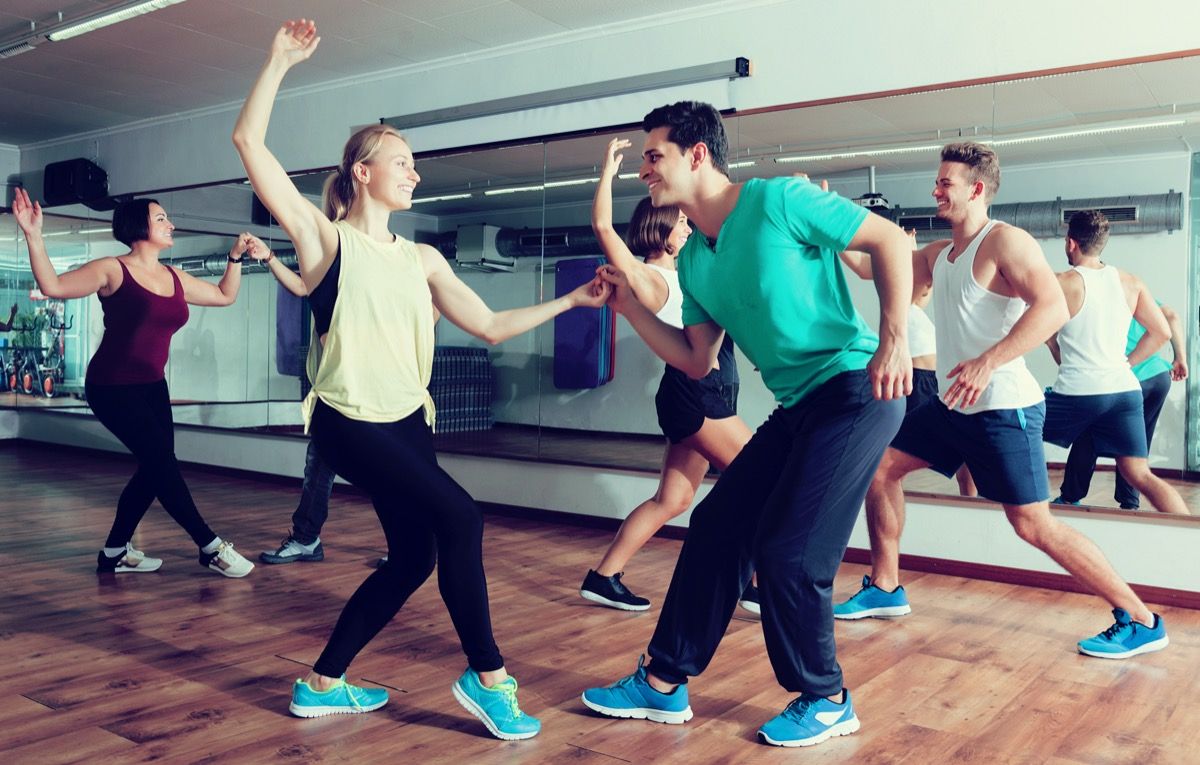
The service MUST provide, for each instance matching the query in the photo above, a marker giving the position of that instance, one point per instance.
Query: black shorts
(683, 403)
(925, 388)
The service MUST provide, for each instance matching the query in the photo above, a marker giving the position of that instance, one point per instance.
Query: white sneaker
(226, 561)
(132, 561)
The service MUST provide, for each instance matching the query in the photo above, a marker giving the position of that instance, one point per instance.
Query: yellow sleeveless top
(377, 358)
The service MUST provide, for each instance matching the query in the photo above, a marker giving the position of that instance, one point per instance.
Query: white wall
(801, 51)
(972, 533)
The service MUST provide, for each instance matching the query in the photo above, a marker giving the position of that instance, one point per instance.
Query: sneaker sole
(589, 595)
(306, 711)
(465, 701)
(277, 559)
(1154, 645)
(883, 612)
(640, 713)
(231, 575)
(841, 729)
(751, 606)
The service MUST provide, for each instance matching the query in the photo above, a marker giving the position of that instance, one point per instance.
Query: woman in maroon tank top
(144, 303)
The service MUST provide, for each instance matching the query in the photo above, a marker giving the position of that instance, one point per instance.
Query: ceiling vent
(476, 250)
(15, 49)
(1121, 214)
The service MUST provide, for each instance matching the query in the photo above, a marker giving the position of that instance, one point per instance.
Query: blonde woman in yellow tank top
(369, 412)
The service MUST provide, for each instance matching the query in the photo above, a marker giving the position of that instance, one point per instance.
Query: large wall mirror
(508, 217)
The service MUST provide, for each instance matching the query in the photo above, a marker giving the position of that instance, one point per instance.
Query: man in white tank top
(1096, 391)
(995, 299)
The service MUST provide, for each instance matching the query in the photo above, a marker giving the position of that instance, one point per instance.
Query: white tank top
(1092, 343)
(921, 338)
(672, 310)
(972, 319)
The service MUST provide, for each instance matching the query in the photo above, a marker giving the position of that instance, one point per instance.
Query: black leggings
(426, 517)
(140, 416)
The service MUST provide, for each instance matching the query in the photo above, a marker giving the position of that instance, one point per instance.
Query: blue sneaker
(496, 707)
(872, 601)
(1126, 638)
(342, 699)
(810, 720)
(632, 697)
(1060, 501)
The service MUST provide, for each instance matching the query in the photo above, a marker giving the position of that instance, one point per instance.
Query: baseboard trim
(1046, 580)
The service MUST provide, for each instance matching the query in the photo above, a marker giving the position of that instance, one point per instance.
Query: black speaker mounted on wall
(75, 181)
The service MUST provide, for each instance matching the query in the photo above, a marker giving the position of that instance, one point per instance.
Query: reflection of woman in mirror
(369, 410)
(145, 302)
(698, 417)
(1097, 393)
(12, 317)
(922, 344)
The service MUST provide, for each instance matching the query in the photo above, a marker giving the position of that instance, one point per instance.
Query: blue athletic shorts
(1002, 447)
(1114, 419)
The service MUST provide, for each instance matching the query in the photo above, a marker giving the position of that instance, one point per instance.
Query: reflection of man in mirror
(1097, 397)
(995, 299)
(764, 268)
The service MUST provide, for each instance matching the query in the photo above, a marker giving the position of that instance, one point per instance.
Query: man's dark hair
(131, 221)
(690, 123)
(1089, 229)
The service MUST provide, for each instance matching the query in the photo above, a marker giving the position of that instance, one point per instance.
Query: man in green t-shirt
(764, 268)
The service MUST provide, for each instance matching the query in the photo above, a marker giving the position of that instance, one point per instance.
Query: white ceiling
(206, 52)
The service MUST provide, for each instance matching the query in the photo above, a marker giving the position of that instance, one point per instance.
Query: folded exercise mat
(463, 386)
(584, 338)
(291, 325)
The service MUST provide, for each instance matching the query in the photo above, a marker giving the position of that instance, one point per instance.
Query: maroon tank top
(138, 326)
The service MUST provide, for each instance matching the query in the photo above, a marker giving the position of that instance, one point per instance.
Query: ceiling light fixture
(1054, 136)
(106, 18)
(443, 198)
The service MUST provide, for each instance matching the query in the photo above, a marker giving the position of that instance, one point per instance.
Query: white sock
(212, 546)
(114, 552)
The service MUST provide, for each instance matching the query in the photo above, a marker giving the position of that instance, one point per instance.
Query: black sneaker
(749, 600)
(291, 551)
(609, 591)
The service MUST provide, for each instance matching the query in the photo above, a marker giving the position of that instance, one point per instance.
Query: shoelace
(1116, 629)
(509, 692)
(799, 707)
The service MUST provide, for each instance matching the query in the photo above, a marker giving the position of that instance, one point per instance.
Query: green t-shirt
(1155, 365)
(775, 284)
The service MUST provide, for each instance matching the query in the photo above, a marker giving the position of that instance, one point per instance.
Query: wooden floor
(185, 666)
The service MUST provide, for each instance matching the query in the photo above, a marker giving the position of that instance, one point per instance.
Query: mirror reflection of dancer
(788, 502)
(6, 326)
(1096, 392)
(144, 303)
(995, 299)
(698, 417)
(303, 542)
(372, 294)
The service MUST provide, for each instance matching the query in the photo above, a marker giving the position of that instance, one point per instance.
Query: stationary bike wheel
(27, 383)
(48, 386)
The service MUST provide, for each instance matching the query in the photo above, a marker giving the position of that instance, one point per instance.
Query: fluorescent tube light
(112, 16)
(443, 198)
(1084, 132)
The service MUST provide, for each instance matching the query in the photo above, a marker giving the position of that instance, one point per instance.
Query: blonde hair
(340, 189)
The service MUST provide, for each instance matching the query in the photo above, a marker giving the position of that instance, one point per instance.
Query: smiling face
(390, 175)
(954, 192)
(159, 229)
(679, 235)
(665, 169)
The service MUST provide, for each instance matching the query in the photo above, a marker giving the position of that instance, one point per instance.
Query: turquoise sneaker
(632, 697)
(1126, 638)
(496, 707)
(341, 699)
(872, 601)
(810, 720)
